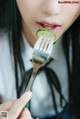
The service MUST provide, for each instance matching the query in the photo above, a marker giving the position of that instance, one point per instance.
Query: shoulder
(4, 42)
(4, 48)
(6, 72)
(3, 37)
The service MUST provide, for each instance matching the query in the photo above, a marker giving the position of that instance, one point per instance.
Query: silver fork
(41, 54)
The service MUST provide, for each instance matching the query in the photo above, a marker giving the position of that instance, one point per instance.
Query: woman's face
(52, 14)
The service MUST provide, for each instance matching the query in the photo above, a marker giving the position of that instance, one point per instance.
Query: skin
(33, 11)
(16, 108)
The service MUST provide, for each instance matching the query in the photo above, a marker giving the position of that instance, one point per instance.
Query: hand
(16, 108)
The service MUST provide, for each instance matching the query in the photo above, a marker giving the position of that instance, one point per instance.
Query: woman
(19, 22)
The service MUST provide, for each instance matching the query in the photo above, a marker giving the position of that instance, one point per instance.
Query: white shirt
(41, 103)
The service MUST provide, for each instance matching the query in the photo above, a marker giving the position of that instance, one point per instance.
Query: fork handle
(31, 81)
(36, 67)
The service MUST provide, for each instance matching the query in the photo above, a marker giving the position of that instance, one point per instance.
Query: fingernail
(26, 95)
(29, 93)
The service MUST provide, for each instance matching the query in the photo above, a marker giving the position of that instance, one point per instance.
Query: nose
(51, 7)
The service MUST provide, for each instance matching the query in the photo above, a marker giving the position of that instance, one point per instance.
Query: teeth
(49, 27)
(46, 25)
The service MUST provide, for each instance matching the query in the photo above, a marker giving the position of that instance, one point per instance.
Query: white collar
(28, 50)
(57, 52)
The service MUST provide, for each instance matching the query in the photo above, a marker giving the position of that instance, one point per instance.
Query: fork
(41, 55)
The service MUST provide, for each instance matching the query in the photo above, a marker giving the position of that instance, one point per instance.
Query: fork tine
(38, 43)
(43, 44)
(50, 46)
(46, 42)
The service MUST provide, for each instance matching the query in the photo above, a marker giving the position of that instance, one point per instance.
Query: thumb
(19, 104)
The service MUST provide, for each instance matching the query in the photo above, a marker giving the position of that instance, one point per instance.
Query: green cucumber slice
(46, 33)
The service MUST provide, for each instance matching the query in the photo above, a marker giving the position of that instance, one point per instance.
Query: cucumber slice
(46, 33)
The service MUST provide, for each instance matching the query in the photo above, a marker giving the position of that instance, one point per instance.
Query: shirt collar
(57, 52)
(28, 50)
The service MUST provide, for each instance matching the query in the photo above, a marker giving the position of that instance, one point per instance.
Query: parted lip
(46, 23)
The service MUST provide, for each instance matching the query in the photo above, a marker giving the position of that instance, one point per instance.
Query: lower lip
(52, 29)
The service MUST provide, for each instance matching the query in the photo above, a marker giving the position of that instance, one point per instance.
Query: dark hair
(73, 35)
(10, 20)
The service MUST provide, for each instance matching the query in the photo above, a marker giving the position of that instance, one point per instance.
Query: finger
(5, 106)
(25, 112)
(19, 104)
(26, 117)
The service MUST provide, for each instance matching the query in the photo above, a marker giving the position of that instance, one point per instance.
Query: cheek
(71, 13)
(28, 6)
(71, 9)
(24, 8)
(28, 9)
